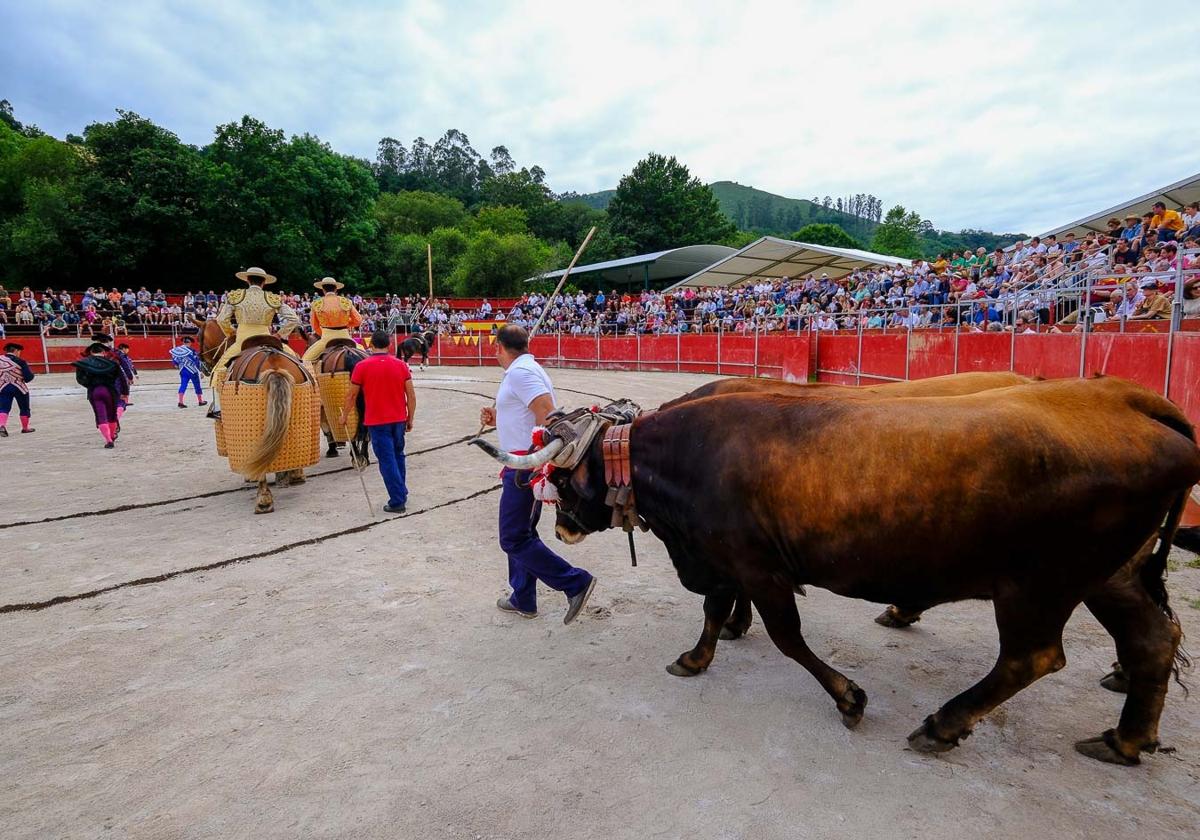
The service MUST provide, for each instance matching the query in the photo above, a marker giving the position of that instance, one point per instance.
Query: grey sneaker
(505, 605)
(576, 603)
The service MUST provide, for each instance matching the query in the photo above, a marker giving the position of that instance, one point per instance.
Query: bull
(936, 386)
(782, 503)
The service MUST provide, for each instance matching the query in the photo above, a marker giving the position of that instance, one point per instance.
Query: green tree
(146, 211)
(496, 264)
(415, 211)
(825, 234)
(659, 205)
(502, 219)
(568, 222)
(523, 188)
(898, 234)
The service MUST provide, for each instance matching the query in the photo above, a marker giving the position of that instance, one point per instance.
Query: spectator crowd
(1129, 272)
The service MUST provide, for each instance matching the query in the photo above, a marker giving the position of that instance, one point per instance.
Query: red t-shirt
(381, 377)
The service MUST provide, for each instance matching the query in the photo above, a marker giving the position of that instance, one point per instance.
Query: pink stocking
(106, 432)
(4, 418)
(24, 421)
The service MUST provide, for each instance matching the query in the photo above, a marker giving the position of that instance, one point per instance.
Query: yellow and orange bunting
(455, 338)
(474, 340)
(491, 339)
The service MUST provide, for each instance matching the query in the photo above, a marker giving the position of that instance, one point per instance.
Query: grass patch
(1194, 603)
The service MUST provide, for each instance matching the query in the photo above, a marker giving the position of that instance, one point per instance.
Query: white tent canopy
(771, 258)
(1173, 195)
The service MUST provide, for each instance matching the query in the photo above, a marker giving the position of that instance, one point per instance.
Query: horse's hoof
(924, 741)
(679, 669)
(1101, 748)
(1116, 680)
(857, 700)
(730, 633)
(890, 618)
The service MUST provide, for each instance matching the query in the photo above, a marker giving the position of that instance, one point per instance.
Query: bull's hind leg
(740, 621)
(716, 611)
(777, 606)
(898, 617)
(1030, 648)
(1147, 640)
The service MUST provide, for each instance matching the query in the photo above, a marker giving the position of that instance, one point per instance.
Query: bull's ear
(580, 480)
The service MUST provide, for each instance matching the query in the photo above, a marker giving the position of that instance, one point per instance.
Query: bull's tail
(279, 414)
(1154, 578)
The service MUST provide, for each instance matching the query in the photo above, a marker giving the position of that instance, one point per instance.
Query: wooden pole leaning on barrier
(429, 262)
(561, 281)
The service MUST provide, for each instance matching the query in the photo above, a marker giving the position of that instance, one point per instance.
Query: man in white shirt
(525, 399)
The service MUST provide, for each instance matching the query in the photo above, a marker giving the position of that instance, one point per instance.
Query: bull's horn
(535, 461)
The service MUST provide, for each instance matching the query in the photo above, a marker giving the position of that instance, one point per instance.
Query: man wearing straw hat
(255, 308)
(333, 316)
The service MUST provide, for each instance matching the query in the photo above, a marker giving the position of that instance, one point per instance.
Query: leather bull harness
(579, 429)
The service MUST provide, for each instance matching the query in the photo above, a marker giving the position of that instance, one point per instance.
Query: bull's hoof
(679, 668)
(892, 618)
(925, 740)
(1103, 748)
(852, 706)
(331, 452)
(800, 590)
(1116, 680)
(729, 632)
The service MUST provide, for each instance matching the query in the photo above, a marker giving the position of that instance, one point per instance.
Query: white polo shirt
(523, 382)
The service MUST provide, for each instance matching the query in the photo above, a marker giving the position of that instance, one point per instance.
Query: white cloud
(996, 115)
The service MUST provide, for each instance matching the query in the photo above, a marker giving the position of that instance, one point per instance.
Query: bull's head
(574, 452)
(581, 498)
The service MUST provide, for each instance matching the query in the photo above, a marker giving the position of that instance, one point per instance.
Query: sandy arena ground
(365, 686)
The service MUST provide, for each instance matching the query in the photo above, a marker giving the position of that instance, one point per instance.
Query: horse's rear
(270, 417)
(333, 379)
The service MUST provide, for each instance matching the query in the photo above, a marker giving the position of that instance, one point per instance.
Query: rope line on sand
(34, 606)
(210, 494)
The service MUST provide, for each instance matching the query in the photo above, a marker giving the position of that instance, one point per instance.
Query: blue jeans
(387, 441)
(529, 560)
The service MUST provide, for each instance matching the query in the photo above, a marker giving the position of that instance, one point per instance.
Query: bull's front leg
(716, 613)
(777, 606)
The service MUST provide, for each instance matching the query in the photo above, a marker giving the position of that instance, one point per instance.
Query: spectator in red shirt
(391, 403)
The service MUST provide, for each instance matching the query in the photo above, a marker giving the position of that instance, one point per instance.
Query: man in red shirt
(391, 403)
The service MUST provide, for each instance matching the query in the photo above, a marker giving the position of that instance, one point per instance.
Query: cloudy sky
(1005, 116)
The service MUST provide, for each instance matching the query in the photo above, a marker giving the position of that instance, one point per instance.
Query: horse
(263, 361)
(420, 343)
(211, 343)
(341, 355)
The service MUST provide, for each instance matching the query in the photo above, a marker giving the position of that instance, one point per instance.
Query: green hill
(763, 212)
(766, 213)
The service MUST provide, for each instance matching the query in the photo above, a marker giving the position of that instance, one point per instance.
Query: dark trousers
(104, 403)
(9, 393)
(387, 440)
(529, 560)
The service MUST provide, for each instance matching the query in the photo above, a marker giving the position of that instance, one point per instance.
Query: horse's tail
(279, 415)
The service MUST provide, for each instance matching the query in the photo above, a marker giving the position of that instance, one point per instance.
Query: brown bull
(783, 503)
(950, 385)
